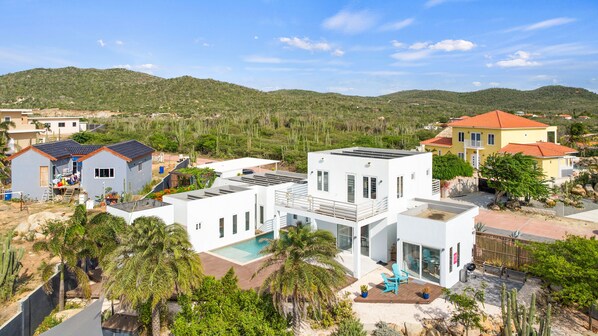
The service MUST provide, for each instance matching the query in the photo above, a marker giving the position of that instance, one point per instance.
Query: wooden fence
(497, 249)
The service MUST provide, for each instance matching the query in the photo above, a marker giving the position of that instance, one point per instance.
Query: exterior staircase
(48, 195)
(68, 195)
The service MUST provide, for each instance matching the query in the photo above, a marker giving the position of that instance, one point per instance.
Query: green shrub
(447, 167)
(48, 323)
(383, 329)
(350, 327)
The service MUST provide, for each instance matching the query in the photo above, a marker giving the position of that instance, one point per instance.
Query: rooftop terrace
(372, 153)
(207, 193)
(437, 210)
(140, 205)
(270, 179)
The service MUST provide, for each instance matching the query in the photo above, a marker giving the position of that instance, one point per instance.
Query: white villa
(381, 205)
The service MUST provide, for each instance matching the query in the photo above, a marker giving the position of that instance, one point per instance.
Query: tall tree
(306, 271)
(516, 174)
(63, 240)
(153, 262)
(105, 232)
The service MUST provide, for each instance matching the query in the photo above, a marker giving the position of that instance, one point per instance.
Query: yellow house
(475, 138)
(23, 133)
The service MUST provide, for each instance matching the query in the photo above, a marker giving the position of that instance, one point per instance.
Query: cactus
(522, 319)
(10, 265)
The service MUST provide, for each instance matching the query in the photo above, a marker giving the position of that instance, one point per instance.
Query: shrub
(449, 166)
(383, 329)
(350, 327)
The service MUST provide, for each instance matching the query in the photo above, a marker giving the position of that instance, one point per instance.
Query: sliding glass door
(422, 262)
(344, 237)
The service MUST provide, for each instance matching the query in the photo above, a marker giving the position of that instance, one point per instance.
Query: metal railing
(327, 207)
(474, 143)
(435, 186)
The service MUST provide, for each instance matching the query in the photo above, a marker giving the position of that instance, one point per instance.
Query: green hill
(129, 91)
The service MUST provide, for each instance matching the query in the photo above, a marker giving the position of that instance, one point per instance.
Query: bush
(48, 323)
(447, 167)
(331, 315)
(350, 327)
(383, 329)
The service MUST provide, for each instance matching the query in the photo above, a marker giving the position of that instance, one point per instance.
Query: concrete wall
(166, 213)
(95, 186)
(25, 174)
(87, 322)
(138, 177)
(208, 212)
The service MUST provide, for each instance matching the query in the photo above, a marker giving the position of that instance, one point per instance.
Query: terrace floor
(408, 293)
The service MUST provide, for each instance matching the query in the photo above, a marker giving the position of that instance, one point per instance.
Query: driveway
(590, 216)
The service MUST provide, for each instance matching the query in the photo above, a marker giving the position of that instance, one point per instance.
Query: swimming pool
(245, 251)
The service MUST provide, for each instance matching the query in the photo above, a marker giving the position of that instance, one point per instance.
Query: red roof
(538, 149)
(497, 119)
(438, 141)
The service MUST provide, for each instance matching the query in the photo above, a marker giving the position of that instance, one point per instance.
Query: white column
(276, 224)
(314, 224)
(477, 159)
(356, 251)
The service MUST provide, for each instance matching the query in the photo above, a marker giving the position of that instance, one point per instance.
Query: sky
(366, 48)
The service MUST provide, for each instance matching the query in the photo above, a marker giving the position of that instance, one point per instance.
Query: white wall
(166, 213)
(208, 212)
(55, 129)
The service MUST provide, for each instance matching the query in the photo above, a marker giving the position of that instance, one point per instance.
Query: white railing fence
(435, 186)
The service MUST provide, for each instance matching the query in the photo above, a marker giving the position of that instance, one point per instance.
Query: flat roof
(372, 153)
(207, 193)
(25, 131)
(270, 179)
(436, 210)
(140, 205)
(41, 117)
(237, 164)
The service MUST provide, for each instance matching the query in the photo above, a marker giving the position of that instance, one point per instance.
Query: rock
(550, 203)
(38, 236)
(413, 329)
(578, 190)
(22, 228)
(494, 207)
(38, 220)
(589, 189)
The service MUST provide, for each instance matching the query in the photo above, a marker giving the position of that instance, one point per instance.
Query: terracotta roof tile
(538, 149)
(438, 141)
(497, 119)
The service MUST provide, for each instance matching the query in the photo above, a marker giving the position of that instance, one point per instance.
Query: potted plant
(364, 291)
(426, 292)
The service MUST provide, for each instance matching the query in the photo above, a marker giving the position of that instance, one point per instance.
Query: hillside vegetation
(226, 120)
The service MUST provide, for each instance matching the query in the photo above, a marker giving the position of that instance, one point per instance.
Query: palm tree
(105, 232)
(307, 271)
(4, 138)
(153, 262)
(63, 240)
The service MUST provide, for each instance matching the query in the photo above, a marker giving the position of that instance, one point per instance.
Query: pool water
(245, 251)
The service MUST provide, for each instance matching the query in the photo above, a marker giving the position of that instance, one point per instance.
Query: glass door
(351, 188)
(344, 237)
(476, 139)
(411, 259)
(431, 264)
(365, 240)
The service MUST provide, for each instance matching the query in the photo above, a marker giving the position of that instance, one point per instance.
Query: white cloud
(305, 44)
(337, 53)
(101, 43)
(147, 66)
(123, 66)
(411, 55)
(545, 24)
(340, 89)
(350, 22)
(119, 42)
(494, 84)
(256, 37)
(419, 45)
(432, 3)
(397, 44)
(262, 59)
(453, 45)
(519, 59)
(398, 25)
(205, 44)
(477, 84)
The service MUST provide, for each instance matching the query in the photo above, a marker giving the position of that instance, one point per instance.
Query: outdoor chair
(400, 276)
(391, 285)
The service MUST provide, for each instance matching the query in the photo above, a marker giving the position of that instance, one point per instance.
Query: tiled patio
(408, 293)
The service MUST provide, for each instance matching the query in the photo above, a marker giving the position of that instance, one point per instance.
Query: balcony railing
(342, 210)
(435, 187)
(474, 143)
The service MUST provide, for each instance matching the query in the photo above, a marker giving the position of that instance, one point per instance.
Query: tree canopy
(516, 174)
(449, 166)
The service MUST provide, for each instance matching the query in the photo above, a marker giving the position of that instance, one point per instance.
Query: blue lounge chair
(399, 275)
(391, 285)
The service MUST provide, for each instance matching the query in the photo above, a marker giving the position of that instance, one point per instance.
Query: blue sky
(349, 47)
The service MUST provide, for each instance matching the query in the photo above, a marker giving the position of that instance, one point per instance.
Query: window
(7, 119)
(399, 186)
(450, 259)
(104, 173)
(221, 227)
(461, 156)
(551, 136)
(413, 176)
(61, 124)
(294, 216)
(458, 254)
(247, 221)
(234, 224)
(322, 180)
(74, 124)
(491, 139)
(461, 136)
(439, 152)
(43, 176)
(261, 214)
(198, 226)
(140, 166)
(369, 187)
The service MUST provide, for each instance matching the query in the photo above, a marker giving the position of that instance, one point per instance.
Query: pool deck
(217, 267)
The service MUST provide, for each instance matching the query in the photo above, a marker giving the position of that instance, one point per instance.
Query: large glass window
(261, 214)
(461, 136)
(221, 227)
(365, 240)
(491, 139)
(344, 237)
(422, 262)
(411, 260)
(322, 180)
(234, 224)
(351, 188)
(369, 187)
(104, 172)
(431, 264)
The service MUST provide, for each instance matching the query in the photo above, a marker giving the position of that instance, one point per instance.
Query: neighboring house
(38, 170)
(23, 133)
(235, 167)
(474, 139)
(381, 205)
(130, 211)
(565, 116)
(60, 127)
